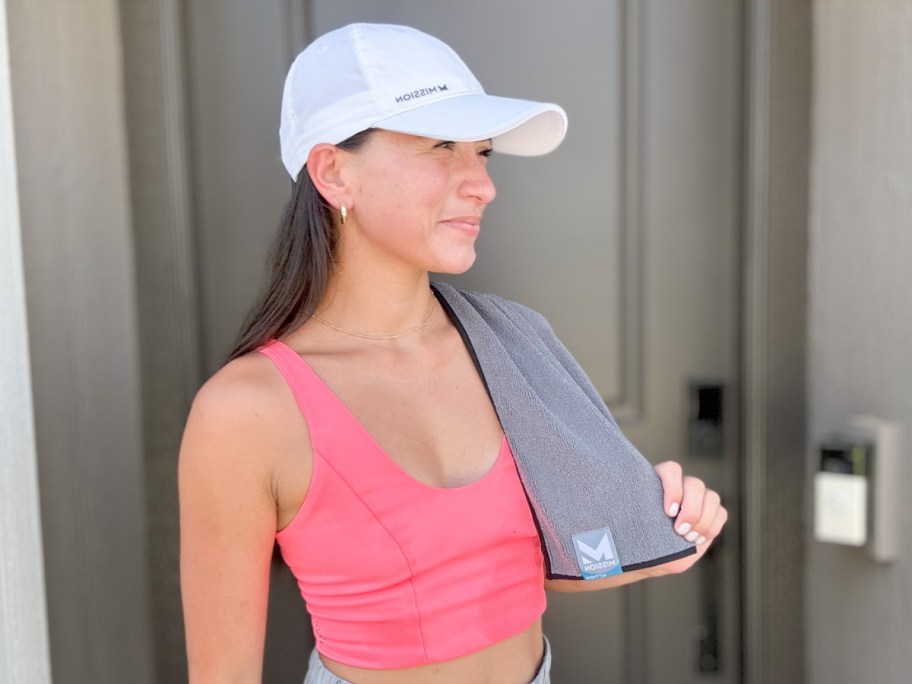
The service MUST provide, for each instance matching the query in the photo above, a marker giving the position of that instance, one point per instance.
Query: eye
(487, 152)
(445, 144)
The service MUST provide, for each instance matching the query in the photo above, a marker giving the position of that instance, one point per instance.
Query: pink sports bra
(397, 573)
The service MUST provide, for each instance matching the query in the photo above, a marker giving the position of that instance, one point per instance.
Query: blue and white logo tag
(596, 554)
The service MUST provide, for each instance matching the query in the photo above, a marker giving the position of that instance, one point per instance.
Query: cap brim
(520, 127)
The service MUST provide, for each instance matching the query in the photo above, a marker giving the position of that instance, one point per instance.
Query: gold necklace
(380, 337)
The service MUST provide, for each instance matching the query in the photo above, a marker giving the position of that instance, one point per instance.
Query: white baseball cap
(400, 79)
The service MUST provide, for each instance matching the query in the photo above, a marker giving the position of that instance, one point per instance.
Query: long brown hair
(300, 263)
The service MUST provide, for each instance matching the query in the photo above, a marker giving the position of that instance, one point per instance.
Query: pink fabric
(397, 573)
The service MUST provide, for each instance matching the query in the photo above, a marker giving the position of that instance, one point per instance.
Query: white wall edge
(24, 652)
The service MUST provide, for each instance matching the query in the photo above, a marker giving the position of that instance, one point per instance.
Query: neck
(372, 305)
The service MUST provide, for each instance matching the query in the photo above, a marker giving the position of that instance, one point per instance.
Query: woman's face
(417, 202)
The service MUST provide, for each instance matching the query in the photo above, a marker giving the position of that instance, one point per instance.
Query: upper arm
(228, 459)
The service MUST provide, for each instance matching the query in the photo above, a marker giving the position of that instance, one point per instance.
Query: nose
(477, 183)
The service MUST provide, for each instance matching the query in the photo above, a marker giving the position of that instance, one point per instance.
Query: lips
(468, 224)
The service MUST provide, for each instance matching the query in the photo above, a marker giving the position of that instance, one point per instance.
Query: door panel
(554, 237)
(691, 159)
(536, 246)
(626, 238)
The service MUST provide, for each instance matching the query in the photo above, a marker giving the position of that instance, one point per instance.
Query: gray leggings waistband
(318, 674)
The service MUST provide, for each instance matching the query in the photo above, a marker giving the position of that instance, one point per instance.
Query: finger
(715, 529)
(711, 505)
(691, 507)
(672, 478)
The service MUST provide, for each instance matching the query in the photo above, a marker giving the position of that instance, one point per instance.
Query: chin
(455, 266)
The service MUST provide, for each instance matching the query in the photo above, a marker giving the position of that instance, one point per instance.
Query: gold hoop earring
(344, 212)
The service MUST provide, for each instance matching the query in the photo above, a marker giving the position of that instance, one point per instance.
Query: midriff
(514, 660)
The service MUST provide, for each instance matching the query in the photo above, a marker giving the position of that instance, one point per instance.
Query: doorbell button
(841, 505)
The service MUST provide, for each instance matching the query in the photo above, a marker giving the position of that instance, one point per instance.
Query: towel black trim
(454, 319)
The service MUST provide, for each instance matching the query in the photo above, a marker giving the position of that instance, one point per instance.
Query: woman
(351, 423)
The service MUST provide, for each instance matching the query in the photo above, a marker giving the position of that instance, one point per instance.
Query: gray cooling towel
(597, 502)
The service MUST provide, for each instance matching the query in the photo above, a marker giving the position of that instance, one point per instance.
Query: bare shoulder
(242, 423)
(245, 388)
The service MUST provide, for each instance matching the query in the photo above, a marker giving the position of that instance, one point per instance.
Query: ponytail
(300, 264)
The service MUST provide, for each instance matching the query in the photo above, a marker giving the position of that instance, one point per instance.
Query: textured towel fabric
(580, 473)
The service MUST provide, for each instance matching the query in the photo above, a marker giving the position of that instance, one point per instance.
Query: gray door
(626, 238)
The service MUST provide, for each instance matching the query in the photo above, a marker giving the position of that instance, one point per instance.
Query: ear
(326, 165)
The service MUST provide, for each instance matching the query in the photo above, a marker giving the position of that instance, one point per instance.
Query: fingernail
(673, 509)
(701, 540)
(683, 528)
(692, 536)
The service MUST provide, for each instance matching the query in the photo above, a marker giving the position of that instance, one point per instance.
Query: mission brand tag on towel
(596, 554)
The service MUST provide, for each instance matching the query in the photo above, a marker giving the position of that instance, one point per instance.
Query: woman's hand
(697, 511)
(699, 517)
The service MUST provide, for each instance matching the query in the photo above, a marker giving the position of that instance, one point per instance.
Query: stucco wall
(860, 326)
